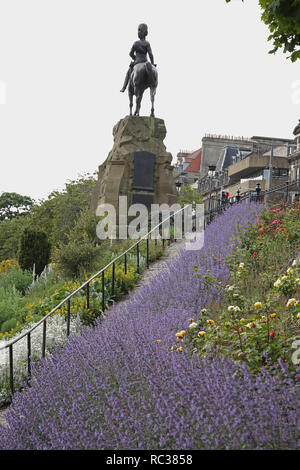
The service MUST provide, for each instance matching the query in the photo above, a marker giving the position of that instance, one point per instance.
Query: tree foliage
(34, 250)
(58, 214)
(10, 233)
(13, 205)
(283, 19)
(189, 195)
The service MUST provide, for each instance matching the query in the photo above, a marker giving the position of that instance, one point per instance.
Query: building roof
(195, 163)
(228, 157)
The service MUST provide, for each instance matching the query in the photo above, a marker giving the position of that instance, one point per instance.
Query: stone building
(294, 158)
(187, 168)
(294, 165)
(240, 164)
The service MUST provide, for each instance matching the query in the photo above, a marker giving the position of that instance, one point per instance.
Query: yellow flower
(158, 340)
(273, 315)
(211, 322)
(181, 334)
(243, 319)
(201, 333)
(258, 304)
(191, 320)
(298, 315)
(291, 302)
(180, 349)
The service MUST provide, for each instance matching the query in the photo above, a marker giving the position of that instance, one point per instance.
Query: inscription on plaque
(143, 171)
(145, 199)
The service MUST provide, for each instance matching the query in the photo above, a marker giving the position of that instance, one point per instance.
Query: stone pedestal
(138, 166)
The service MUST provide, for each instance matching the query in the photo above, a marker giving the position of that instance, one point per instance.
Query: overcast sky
(63, 62)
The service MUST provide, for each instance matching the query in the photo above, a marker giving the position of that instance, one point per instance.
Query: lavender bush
(117, 387)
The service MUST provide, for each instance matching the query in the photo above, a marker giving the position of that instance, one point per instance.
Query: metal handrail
(250, 195)
(10, 344)
(286, 185)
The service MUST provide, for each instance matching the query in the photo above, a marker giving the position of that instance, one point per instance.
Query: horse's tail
(151, 75)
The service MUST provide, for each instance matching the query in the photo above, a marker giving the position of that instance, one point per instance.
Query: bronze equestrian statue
(141, 73)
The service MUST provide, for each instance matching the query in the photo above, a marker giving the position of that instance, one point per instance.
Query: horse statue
(141, 74)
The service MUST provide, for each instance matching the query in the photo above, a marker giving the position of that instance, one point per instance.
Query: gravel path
(2, 416)
(170, 252)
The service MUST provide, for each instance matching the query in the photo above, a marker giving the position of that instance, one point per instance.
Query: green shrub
(34, 250)
(76, 257)
(8, 325)
(21, 280)
(9, 304)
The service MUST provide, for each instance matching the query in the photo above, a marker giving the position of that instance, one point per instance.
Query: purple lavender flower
(116, 387)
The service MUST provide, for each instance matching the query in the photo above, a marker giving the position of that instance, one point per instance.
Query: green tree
(58, 214)
(13, 205)
(189, 195)
(283, 19)
(10, 234)
(81, 252)
(34, 250)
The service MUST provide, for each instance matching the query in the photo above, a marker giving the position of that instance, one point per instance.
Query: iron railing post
(11, 369)
(88, 296)
(29, 355)
(113, 280)
(147, 247)
(138, 258)
(103, 297)
(44, 339)
(68, 316)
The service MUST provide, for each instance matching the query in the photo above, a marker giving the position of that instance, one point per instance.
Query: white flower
(56, 336)
(277, 283)
(241, 265)
(193, 325)
(230, 288)
(234, 308)
(294, 262)
(290, 270)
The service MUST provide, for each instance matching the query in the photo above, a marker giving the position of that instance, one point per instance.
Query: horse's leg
(152, 95)
(130, 94)
(139, 96)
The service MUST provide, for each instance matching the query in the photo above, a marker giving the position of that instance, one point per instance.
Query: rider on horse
(139, 52)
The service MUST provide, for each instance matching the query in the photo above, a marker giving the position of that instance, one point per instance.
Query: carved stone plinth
(138, 166)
